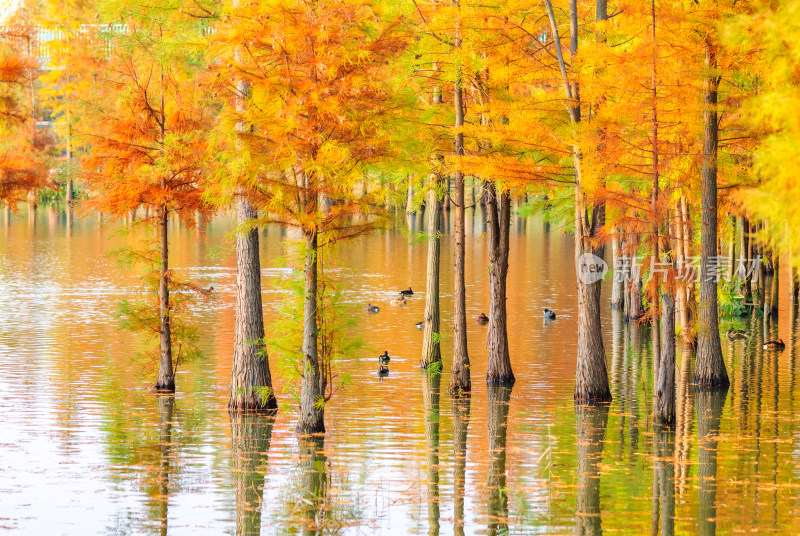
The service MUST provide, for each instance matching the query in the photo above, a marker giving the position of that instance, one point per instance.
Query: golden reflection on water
(400, 456)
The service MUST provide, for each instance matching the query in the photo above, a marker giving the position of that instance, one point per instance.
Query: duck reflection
(461, 410)
(499, 396)
(591, 424)
(709, 410)
(431, 390)
(251, 434)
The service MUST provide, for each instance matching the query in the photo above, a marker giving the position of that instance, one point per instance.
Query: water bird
(737, 334)
(384, 357)
(383, 370)
(372, 308)
(400, 300)
(549, 314)
(408, 292)
(482, 318)
(777, 344)
(420, 324)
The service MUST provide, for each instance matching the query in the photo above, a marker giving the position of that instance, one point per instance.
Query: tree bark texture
(166, 374)
(664, 395)
(499, 221)
(618, 284)
(251, 381)
(312, 407)
(431, 347)
(710, 368)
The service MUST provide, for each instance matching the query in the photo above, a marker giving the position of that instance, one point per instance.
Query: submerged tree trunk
(499, 221)
(664, 395)
(431, 349)
(459, 379)
(250, 439)
(591, 422)
(710, 367)
(166, 374)
(251, 381)
(312, 404)
(499, 397)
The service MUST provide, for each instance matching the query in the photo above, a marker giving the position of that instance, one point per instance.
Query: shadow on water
(166, 407)
(461, 409)
(431, 392)
(499, 397)
(250, 438)
(591, 422)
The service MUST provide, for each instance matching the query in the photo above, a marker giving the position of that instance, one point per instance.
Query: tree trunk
(410, 198)
(312, 404)
(166, 374)
(591, 422)
(710, 367)
(499, 397)
(773, 304)
(461, 411)
(690, 312)
(459, 379)
(250, 439)
(746, 254)
(618, 284)
(431, 349)
(498, 369)
(251, 381)
(732, 249)
(664, 394)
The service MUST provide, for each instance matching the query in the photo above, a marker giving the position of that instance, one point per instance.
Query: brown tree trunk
(499, 397)
(710, 367)
(251, 381)
(498, 367)
(773, 304)
(410, 197)
(664, 394)
(459, 379)
(591, 422)
(746, 254)
(166, 374)
(251, 434)
(461, 411)
(732, 248)
(618, 284)
(690, 312)
(312, 404)
(431, 349)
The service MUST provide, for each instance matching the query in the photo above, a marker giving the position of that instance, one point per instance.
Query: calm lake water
(87, 448)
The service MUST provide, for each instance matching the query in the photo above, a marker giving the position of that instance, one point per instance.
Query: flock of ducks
(740, 335)
(384, 358)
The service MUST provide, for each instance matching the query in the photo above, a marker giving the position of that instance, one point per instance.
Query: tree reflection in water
(709, 410)
(591, 424)
(166, 406)
(499, 396)
(461, 410)
(431, 389)
(251, 434)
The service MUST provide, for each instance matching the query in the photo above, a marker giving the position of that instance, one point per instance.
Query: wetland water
(86, 448)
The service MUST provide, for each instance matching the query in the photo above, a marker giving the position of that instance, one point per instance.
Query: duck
(400, 300)
(737, 334)
(372, 308)
(777, 344)
(408, 292)
(383, 370)
(384, 357)
(549, 314)
(482, 318)
(420, 324)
